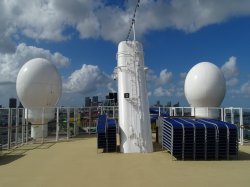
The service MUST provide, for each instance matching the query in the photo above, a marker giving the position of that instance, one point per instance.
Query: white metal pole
(75, 122)
(17, 126)
(27, 126)
(9, 129)
(57, 123)
(224, 114)
(23, 124)
(221, 114)
(90, 120)
(134, 29)
(43, 125)
(232, 115)
(68, 130)
(241, 127)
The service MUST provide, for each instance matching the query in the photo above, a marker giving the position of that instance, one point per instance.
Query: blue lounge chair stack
(199, 139)
(106, 134)
(111, 135)
(101, 135)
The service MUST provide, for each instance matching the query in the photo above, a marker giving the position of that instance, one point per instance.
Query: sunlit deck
(78, 163)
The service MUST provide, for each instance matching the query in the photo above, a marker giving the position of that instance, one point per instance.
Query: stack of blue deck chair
(199, 139)
(111, 135)
(106, 134)
(101, 131)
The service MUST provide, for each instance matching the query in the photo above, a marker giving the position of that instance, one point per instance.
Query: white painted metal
(134, 119)
(205, 87)
(57, 124)
(241, 126)
(38, 85)
(207, 112)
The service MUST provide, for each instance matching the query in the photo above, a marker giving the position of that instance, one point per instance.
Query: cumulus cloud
(10, 63)
(230, 68)
(165, 77)
(245, 89)
(50, 19)
(86, 80)
(161, 92)
(162, 85)
(231, 71)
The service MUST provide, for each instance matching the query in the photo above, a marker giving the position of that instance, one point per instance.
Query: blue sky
(81, 36)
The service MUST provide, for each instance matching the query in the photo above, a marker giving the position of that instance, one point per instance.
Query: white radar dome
(38, 84)
(205, 85)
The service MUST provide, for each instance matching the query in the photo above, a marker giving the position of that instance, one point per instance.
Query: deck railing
(15, 128)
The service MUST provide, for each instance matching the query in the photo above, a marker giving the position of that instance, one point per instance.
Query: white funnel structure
(205, 87)
(134, 119)
(39, 88)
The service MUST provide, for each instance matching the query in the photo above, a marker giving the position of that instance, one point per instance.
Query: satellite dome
(38, 84)
(205, 85)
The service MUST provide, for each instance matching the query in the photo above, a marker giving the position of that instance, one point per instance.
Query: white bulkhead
(134, 119)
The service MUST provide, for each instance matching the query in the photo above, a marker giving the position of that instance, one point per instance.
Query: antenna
(132, 26)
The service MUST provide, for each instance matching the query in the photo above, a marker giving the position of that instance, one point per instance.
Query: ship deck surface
(78, 163)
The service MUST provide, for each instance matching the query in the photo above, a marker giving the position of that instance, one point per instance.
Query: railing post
(57, 123)
(75, 122)
(9, 129)
(90, 120)
(221, 114)
(232, 115)
(225, 114)
(23, 124)
(17, 126)
(43, 110)
(68, 130)
(27, 126)
(241, 127)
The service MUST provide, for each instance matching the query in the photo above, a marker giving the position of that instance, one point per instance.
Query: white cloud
(165, 77)
(10, 63)
(50, 19)
(245, 89)
(232, 82)
(86, 80)
(231, 71)
(230, 68)
(150, 76)
(163, 85)
(161, 92)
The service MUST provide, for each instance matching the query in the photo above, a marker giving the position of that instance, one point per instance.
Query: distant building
(94, 101)
(112, 99)
(12, 103)
(177, 104)
(158, 104)
(169, 104)
(20, 105)
(87, 102)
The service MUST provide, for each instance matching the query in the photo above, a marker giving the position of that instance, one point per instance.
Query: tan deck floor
(77, 163)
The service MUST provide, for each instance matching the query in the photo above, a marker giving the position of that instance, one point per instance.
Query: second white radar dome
(205, 85)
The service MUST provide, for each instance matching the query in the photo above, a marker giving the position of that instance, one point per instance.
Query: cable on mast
(132, 26)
